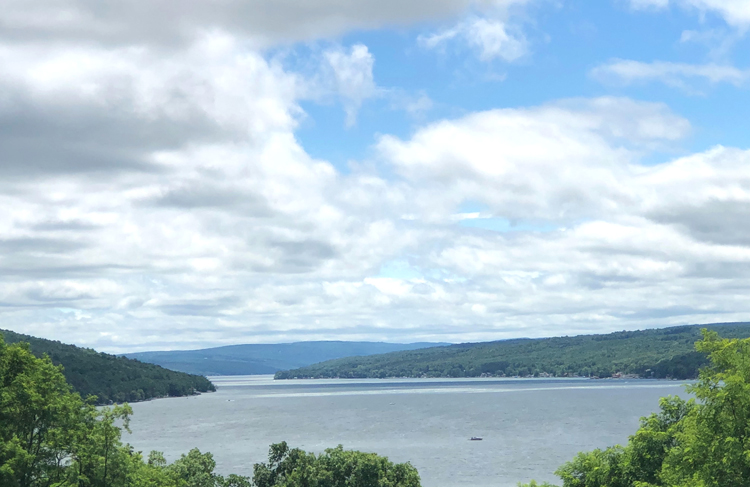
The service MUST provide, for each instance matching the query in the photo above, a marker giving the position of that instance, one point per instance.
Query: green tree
(98, 458)
(713, 441)
(195, 469)
(598, 468)
(335, 467)
(656, 437)
(38, 413)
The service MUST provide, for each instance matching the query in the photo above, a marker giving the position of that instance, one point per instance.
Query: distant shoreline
(664, 353)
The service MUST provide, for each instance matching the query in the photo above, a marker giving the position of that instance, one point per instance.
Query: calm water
(530, 426)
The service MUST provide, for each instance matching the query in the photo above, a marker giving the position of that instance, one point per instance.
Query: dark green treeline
(111, 378)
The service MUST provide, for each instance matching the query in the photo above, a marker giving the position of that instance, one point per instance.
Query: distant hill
(658, 353)
(112, 378)
(266, 358)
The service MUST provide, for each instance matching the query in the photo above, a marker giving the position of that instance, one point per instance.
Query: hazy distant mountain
(266, 358)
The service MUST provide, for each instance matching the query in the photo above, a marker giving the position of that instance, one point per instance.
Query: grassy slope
(265, 358)
(112, 378)
(656, 353)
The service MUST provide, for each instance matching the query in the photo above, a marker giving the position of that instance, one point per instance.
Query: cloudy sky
(182, 174)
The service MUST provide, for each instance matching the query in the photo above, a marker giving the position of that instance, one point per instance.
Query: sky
(186, 174)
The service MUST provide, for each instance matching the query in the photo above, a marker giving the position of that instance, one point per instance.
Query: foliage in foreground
(336, 467)
(112, 378)
(703, 443)
(656, 354)
(50, 437)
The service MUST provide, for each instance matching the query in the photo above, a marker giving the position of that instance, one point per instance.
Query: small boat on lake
(476, 438)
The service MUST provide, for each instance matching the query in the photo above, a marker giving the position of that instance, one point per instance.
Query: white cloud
(155, 193)
(170, 22)
(734, 12)
(352, 75)
(494, 41)
(252, 240)
(560, 161)
(491, 38)
(492, 35)
(221, 228)
(178, 180)
(679, 75)
(631, 242)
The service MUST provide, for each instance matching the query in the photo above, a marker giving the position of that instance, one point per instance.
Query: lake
(529, 426)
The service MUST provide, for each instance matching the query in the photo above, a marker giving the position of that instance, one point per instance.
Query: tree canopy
(336, 467)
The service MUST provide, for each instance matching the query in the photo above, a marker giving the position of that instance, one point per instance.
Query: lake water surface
(529, 426)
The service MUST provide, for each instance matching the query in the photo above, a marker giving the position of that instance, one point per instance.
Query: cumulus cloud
(145, 187)
(155, 194)
(560, 161)
(83, 109)
(679, 75)
(636, 241)
(255, 241)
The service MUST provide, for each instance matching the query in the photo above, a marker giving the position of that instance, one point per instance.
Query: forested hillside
(266, 358)
(112, 378)
(657, 353)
